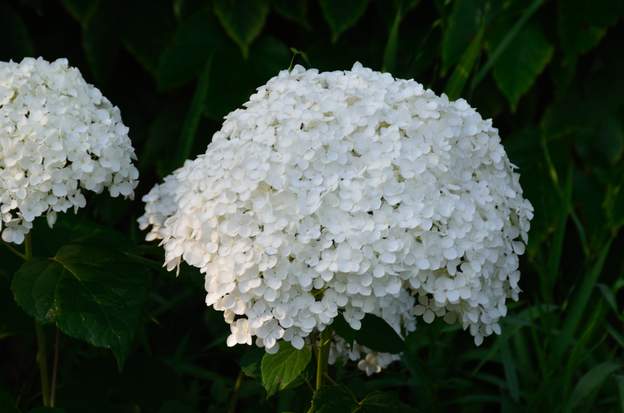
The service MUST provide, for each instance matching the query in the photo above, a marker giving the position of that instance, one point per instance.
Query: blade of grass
(502, 46)
(390, 53)
(591, 382)
(511, 376)
(460, 75)
(194, 114)
(579, 303)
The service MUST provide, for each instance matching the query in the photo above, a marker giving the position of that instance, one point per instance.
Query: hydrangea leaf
(238, 78)
(250, 362)
(582, 24)
(89, 293)
(194, 41)
(242, 20)
(374, 333)
(282, 368)
(521, 63)
(461, 26)
(342, 15)
(330, 399)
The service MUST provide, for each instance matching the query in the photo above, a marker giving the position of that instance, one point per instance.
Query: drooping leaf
(250, 362)
(592, 381)
(521, 63)
(89, 293)
(342, 15)
(461, 27)
(196, 38)
(457, 82)
(242, 20)
(282, 368)
(374, 333)
(330, 399)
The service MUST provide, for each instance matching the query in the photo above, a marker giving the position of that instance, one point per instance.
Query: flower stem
(55, 364)
(322, 356)
(42, 354)
(237, 386)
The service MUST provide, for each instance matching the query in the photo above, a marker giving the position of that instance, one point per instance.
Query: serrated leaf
(342, 15)
(461, 27)
(521, 63)
(242, 20)
(282, 368)
(90, 293)
(194, 41)
(374, 333)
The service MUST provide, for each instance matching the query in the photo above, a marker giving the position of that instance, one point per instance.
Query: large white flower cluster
(58, 137)
(347, 192)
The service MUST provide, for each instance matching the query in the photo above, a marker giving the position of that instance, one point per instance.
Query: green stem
(55, 364)
(237, 386)
(42, 354)
(322, 356)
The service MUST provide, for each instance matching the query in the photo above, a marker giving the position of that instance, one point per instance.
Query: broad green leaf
(461, 27)
(242, 20)
(238, 78)
(80, 9)
(294, 10)
(90, 293)
(250, 362)
(342, 15)
(592, 381)
(282, 368)
(521, 63)
(100, 39)
(460, 75)
(583, 23)
(196, 38)
(17, 43)
(374, 333)
(390, 53)
(333, 399)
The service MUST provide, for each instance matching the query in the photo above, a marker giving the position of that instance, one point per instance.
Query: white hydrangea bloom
(58, 137)
(347, 192)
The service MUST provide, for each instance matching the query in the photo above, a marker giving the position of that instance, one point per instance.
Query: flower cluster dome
(58, 137)
(347, 192)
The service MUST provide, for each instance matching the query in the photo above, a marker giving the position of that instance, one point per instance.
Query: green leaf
(100, 39)
(461, 27)
(89, 293)
(194, 115)
(619, 379)
(382, 402)
(583, 23)
(239, 78)
(333, 399)
(374, 333)
(294, 10)
(196, 39)
(17, 42)
(390, 53)
(250, 362)
(242, 20)
(80, 9)
(283, 367)
(460, 75)
(592, 381)
(521, 63)
(342, 15)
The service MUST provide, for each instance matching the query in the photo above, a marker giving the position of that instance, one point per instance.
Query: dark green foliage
(549, 74)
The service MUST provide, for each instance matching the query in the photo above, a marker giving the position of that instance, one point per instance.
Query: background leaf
(282, 368)
(341, 15)
(242, 20)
